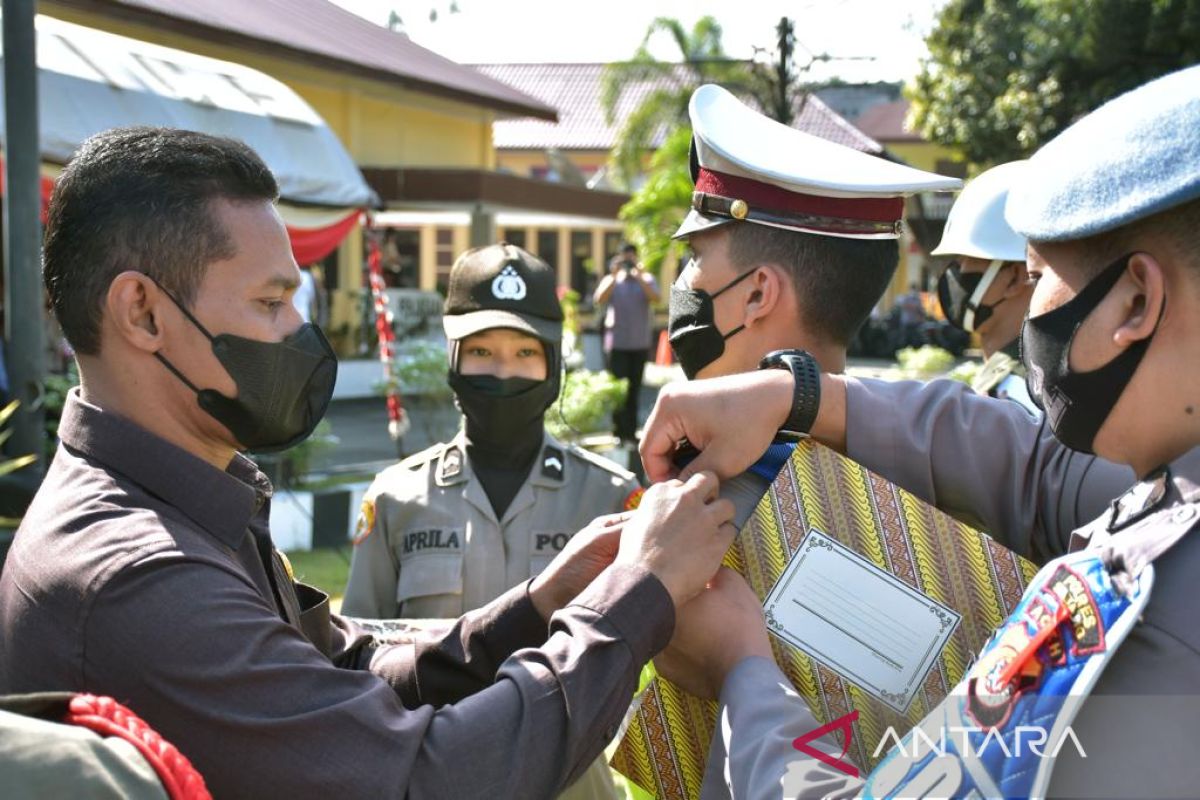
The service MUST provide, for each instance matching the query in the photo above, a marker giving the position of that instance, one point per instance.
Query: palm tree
(702, 60)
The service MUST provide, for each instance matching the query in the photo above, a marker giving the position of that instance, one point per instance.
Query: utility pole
(24, 329)
(783, 93)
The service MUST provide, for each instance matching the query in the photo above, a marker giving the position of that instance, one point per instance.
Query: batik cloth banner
(877, 602)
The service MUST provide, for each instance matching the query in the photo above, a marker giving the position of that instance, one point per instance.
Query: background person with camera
(629, 292)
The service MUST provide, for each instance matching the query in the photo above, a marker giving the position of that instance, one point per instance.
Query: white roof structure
(90, 80)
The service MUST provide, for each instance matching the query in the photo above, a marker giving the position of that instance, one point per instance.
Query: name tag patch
(431, 539)
(550, 542)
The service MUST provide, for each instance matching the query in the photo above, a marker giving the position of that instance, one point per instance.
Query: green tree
(658, 206)
(1004, 76)
(664, 107)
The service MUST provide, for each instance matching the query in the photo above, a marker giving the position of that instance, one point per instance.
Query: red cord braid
(107, 717)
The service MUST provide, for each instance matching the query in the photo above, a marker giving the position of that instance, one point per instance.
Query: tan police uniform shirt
(429, 543)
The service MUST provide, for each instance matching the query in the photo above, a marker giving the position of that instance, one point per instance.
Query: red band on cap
(766, 195)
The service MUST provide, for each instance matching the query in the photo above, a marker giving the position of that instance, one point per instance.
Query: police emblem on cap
(508, 285)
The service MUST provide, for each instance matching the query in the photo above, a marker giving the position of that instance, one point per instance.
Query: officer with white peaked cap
(779, 215)
(985, 289)
(748, 167)
(1111, 209)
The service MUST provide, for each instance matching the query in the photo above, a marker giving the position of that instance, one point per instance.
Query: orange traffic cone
(663, 356)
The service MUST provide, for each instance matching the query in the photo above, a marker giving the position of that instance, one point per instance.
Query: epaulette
(600, 461)
(413, 463)
(424, 457)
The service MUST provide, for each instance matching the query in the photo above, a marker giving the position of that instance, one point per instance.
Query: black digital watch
(806, 386)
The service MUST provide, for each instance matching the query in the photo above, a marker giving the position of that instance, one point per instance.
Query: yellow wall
(922, 155)
(380, 123)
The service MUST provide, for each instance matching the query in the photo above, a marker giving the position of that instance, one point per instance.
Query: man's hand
(714, 631)
(586, 555)
(680, 532)
(731, 420)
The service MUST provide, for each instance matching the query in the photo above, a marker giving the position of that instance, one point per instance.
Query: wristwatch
(806, 386)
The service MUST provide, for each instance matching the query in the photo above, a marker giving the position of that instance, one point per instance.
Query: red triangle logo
(842, 723)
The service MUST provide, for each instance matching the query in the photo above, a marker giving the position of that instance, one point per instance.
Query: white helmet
(976, 225)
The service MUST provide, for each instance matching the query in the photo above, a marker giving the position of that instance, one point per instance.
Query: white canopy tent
(90, 80)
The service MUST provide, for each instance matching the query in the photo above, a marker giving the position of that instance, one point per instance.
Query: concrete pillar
(428, 272)
(483, 227)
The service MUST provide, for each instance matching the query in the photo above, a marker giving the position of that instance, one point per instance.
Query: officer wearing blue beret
(1104, 643)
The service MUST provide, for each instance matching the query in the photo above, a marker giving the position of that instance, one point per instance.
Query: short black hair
(141, 199)
(837, 280)
(1177, 228)
(627, 247)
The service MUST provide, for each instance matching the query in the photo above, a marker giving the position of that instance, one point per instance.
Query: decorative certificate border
(879, 591)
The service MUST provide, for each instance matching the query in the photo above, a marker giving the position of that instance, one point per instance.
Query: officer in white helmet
(986, 290)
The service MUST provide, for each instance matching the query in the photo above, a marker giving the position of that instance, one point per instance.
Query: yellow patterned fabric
(666, 743)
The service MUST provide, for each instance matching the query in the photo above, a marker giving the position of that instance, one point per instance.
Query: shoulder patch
(451, 465)
(634, 499)
(366, 521)
(600, 461)
(552, 463)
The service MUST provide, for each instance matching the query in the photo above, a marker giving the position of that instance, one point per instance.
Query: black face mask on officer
(505, 412)
(1076, 403)
(960, 295)
(692, 329)
(283, 388)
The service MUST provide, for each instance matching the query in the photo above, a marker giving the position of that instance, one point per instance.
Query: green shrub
(925, 362)
(587, 403)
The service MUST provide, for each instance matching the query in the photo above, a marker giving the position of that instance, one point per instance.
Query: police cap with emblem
(1133, 157)
(502, 286)
(749, 168)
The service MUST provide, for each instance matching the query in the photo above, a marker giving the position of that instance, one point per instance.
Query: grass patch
(326, 569)
(334, 481)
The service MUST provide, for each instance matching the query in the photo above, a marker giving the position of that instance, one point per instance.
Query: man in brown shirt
(144, 568)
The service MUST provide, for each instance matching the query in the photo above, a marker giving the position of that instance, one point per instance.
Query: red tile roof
(885, 122)
(321, 33)
(574, 89)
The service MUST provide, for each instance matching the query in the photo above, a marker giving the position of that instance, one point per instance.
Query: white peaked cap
(750, 168)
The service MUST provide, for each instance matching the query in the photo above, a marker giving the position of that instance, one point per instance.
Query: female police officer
(453, 527)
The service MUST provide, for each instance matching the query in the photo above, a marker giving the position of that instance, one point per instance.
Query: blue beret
(1135, 156)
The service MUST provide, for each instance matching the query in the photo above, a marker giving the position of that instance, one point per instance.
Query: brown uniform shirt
(144, 573)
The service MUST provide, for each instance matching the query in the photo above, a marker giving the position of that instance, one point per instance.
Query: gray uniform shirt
(429, 545)
(143, 573)
(41, 758)
(987, 462)
(1138, 727)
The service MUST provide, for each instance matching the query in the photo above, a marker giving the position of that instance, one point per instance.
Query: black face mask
(503, 413)
(692, 330)
(283, 387)
(1076, 403)
(960, 294)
